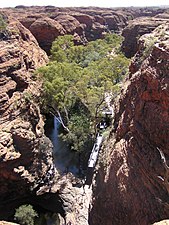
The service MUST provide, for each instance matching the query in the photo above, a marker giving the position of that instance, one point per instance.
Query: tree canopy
(3, 23)
(83, 75)
(25, 215)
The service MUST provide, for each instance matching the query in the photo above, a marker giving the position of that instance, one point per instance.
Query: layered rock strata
(26, 162)
(131, 183)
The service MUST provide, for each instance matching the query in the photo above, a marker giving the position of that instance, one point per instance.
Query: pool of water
(65, 159)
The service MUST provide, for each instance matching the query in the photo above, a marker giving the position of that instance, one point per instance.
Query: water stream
(68, 161)
(65, 159)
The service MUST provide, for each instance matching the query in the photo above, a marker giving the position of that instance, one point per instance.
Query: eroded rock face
(75, 197)
(136, 28)
(132, 179)
(85, 24)
(72, 26)
(46, 31)
(116, 21)
(26, 162)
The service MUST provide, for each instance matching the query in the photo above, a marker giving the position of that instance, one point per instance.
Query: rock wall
(84, 24)
(131, 183)
(26, 162)
(136, 28)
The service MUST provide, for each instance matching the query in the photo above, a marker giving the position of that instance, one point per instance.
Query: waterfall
(65, 159)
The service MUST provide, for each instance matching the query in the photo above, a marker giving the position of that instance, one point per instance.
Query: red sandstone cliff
(136, 28)
(131, 183)
(25, 152)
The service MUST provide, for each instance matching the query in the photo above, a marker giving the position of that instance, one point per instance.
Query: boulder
(69, 23)
(46, 31)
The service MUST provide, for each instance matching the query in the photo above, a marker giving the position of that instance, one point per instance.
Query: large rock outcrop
(131, 183)
(26, 162)
(136, 28)
(46, 31)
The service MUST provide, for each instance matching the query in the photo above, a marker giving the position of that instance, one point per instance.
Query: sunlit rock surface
(7, 223)
(163, 222)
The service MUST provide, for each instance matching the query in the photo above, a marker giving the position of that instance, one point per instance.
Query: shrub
(27, 96)
(3, 24)
(25, 215)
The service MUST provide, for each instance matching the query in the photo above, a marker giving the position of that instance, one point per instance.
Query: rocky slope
(75, 197)
(85, 24)
(26, 162)
(131, 183)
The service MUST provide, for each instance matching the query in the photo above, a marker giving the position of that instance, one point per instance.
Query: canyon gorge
(130, 181)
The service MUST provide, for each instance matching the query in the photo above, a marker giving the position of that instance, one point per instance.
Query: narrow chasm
(80, 86)
(74, 179)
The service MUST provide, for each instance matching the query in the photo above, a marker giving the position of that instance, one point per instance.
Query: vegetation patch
(25, 215)
(3, 23)
(75, 83)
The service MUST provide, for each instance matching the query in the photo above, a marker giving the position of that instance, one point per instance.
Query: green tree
(3, 24)
(60, 47)
(82, 75)
(79, 126)
(60, 88)
(25, 215)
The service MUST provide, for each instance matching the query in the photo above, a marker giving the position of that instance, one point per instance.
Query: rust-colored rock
(45, 31)
(87, 24)
(84, 19)
(132, 177)
(25, 152)
(116, 21)
(135, 29)
(26, 22)
(132, 188)
(99, 19)
(72, 26)
(69, 23)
